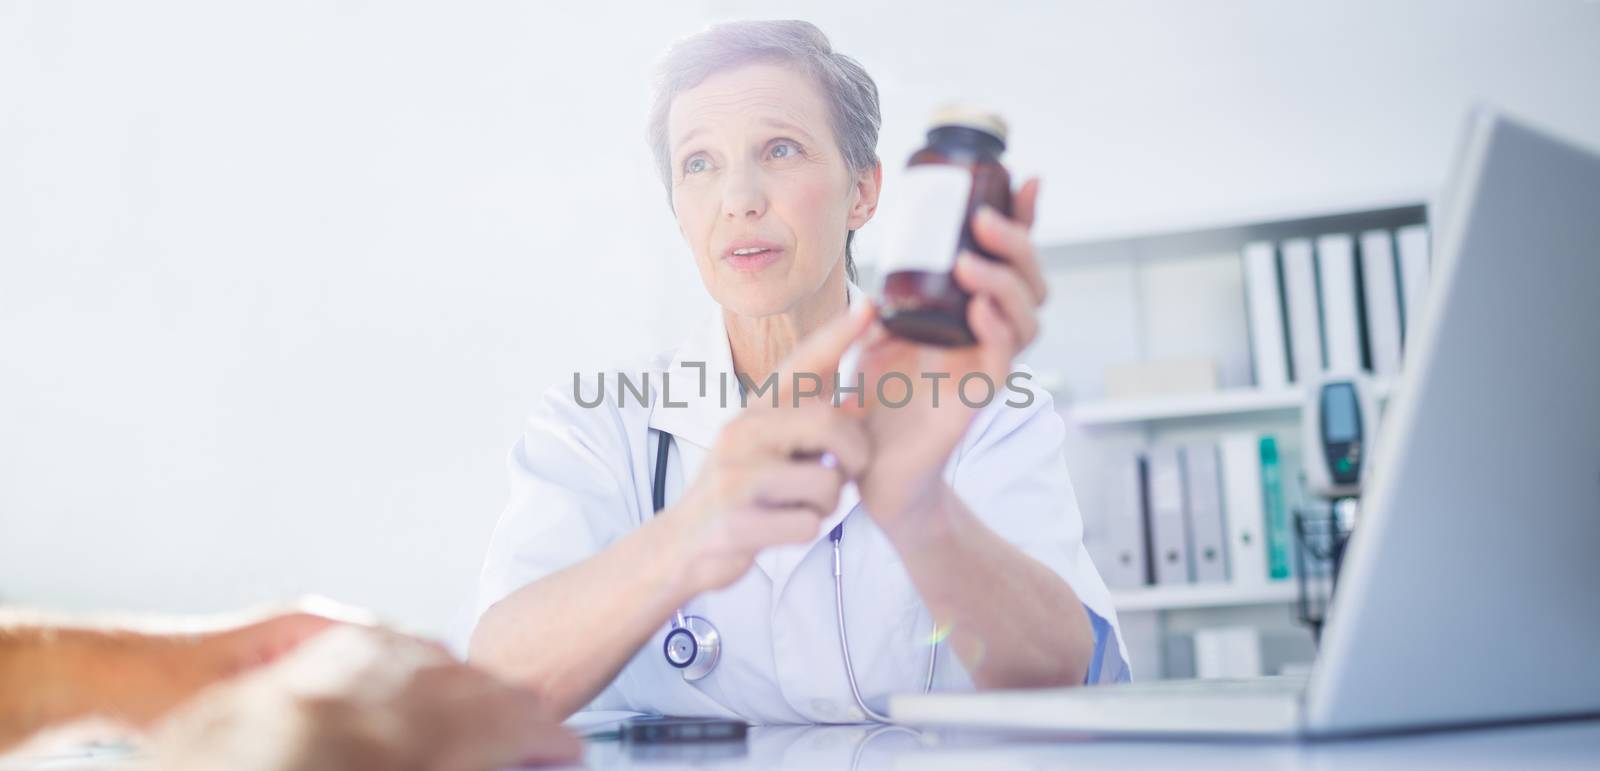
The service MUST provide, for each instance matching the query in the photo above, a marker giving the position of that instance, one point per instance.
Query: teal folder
(1280, 541)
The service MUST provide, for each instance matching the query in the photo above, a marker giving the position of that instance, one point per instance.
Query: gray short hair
(851, 95)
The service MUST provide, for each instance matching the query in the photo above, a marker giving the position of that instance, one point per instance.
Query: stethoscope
(693, 645)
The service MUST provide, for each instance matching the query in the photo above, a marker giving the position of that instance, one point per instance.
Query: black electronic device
(661, 728)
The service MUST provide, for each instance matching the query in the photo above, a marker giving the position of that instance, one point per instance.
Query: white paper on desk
(77, 756)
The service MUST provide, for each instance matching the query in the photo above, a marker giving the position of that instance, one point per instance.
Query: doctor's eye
(696, 164)
(783, 149)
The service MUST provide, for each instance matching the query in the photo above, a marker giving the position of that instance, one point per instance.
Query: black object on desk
(663, 729)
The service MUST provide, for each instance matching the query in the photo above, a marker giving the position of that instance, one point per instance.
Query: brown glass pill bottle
(945, 182)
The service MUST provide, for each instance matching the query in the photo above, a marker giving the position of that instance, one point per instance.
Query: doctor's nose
(743, 197)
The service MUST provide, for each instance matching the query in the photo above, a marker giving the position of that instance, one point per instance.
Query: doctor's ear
(867, 184)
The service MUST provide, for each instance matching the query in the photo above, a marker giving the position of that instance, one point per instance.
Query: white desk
(1552, 745)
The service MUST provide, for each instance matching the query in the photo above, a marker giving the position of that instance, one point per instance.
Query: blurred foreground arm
(359, 698)
(50, 675)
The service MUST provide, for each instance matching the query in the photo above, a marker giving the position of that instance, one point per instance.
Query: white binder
(1268, 353)
(1413, 243)
(1169, 540)
(1383, 302)
(1120, 552)
(1207, 539)
(1300, 298)
(1245, 516)
(1341, 329)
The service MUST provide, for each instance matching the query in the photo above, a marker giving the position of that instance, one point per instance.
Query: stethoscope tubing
(835, 536)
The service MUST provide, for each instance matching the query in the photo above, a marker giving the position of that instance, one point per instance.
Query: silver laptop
(1471, 592)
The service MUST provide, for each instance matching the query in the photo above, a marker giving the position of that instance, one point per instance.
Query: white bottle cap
(970, 116)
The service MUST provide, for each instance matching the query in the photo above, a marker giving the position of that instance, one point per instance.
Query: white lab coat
(580, 479)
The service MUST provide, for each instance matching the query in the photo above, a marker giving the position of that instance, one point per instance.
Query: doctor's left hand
(917, 437)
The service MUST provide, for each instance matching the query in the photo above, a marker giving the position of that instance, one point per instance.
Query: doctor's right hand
(776, 471)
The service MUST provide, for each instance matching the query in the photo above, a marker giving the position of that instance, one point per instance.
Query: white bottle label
(924, 229)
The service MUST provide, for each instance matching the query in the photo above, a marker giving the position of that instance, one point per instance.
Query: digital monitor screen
(1340, 413)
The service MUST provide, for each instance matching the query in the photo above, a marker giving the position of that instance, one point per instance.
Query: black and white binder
(1341, 328)
(1413, 243)
(1245, 515)
(1383, 302)
(1202, 481)
(1268, 351)
(1300, 299)
(1120, 552)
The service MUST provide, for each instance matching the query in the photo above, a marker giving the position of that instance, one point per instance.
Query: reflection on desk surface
(1574, 745)
(1570, 745)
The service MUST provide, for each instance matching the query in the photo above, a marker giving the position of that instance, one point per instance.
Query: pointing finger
(819, 353)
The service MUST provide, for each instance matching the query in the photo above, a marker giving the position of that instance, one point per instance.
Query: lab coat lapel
(780, 562)
(697, 394)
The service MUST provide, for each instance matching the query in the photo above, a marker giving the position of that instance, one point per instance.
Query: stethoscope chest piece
(693, 646)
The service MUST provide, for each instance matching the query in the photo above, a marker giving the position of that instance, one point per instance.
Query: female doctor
(806, 561)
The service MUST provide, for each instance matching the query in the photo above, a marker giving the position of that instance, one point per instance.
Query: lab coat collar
(698, 393)
(693, 407)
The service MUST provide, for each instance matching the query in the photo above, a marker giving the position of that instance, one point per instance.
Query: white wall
(278, 281)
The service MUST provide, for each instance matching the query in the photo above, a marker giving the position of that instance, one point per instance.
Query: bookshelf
(1202, 596)
(1179, 244)
(1229, 402)
(1182, 295)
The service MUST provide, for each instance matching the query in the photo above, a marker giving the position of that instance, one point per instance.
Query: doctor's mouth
(890, 390)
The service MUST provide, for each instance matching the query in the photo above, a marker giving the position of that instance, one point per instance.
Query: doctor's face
(760, 188)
